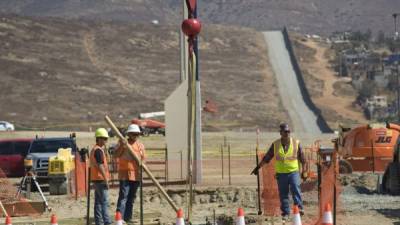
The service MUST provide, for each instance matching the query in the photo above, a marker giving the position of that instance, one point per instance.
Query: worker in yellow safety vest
(288, 155)
(99, 176)
(128, 172)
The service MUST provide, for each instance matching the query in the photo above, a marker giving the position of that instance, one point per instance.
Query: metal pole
(229, 163)
(214, 217)
(373, 156)
(141, 193)
(88, 199)
(258, 178)
(197, 135)
(181, 164)
(395, 25)
(222, 161)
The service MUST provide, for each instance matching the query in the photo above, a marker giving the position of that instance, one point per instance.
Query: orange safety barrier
(81, 176)
(270, 194)
(16, 204)
(322, 168)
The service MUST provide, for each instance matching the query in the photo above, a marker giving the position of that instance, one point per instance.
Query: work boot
(301, 212)
(285, 218)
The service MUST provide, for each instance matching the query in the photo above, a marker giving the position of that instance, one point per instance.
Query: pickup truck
(42, 149)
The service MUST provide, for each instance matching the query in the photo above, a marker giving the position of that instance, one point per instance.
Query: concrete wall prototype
(176, 132)
(306, 96)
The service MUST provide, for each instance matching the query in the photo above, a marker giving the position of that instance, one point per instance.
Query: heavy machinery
(60, 173)
(367, 147)
(390, 181)
(149, 126)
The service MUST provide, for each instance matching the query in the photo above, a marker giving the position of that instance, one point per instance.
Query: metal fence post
(229, 163)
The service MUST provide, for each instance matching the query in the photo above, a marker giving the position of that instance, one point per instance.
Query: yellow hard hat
(101, 133)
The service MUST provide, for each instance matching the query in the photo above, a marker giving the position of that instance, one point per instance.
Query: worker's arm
(120, 149)
(103, 173)
(301, 158)
(266, 159)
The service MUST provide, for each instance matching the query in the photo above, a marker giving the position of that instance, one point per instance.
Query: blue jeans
(286, 181)
(126, 198)
(101, 204)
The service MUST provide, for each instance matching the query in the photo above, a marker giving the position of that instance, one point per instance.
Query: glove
(255, 170)
(304, 176)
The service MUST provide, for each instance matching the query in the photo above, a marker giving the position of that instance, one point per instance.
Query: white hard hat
(133, 128)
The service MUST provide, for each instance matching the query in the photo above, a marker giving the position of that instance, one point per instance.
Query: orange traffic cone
(179, 217)
(327, 217)
(296, 215)
(53, 220)
(8, 220)
(240, 217)
(118, 218)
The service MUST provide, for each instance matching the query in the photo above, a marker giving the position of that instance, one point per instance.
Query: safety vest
(95, 174)
(286, 162)
(128, 165)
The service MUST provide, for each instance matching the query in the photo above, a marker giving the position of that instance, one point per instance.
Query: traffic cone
(118, 218)
(296, 215)
(179, 217)
(240, 217)
(327, 217)
(8, 220)
(53, 220)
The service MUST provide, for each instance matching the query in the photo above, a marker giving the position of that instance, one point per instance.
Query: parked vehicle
(42, 149)
(6, 126)
(149, 126)
(12, 154)
(367, 147)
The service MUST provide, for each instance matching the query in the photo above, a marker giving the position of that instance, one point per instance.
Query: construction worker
(128, 172)
(288, 154)
(99, 174)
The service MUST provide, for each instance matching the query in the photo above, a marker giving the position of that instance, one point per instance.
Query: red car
(12, 154)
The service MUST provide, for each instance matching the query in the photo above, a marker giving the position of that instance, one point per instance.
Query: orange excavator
(367, 147)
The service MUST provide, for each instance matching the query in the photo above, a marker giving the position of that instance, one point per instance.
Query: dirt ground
(324, 85)
(358, 202)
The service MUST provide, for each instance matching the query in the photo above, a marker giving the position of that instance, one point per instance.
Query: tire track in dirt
(106, 69)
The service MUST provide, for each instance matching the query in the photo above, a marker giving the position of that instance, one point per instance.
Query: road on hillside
(303, 119)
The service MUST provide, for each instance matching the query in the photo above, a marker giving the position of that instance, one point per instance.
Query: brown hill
(68, 74)
(305, 16)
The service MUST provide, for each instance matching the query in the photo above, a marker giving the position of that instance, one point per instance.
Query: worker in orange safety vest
(99, 176)
(128, 172)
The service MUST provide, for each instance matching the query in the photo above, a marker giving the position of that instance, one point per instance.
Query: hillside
(68, 74)
(304, 16)
(333, 96)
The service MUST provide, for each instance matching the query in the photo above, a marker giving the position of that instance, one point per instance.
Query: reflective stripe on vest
(95, 174)
(286, 162)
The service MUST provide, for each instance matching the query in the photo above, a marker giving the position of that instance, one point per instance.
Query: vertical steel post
(141, 193)
(222, 161)
(181, 164)
(229, 163)
(88, 199)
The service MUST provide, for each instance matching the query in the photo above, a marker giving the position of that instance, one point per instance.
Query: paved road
(303, 119)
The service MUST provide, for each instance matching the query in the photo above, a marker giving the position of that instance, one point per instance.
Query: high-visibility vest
(95, 174)
(286, 162)
(127, 162)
